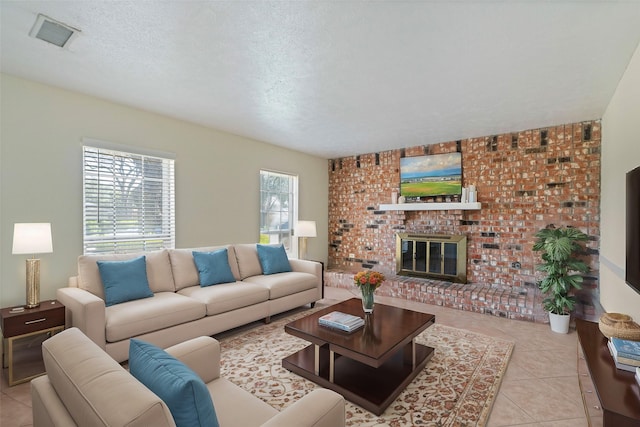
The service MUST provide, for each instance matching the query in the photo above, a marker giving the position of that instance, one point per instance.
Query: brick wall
(525, 181)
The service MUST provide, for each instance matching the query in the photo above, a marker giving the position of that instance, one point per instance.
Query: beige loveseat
(85, 387)
(180, 309)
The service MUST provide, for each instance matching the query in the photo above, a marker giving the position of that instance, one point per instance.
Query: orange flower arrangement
(371, 279)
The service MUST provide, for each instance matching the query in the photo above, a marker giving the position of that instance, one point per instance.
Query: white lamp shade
(306, 229)
(32, 238)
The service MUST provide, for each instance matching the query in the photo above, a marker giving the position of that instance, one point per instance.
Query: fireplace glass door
(436, 256)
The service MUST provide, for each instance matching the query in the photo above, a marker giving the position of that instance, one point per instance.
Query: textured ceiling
(336, 78)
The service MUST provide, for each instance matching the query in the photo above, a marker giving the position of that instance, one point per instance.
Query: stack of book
(342, 321)
(626, 353)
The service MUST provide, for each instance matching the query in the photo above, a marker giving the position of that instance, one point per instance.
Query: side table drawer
(32, 322)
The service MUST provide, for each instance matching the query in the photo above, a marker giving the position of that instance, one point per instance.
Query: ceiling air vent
(52, 31)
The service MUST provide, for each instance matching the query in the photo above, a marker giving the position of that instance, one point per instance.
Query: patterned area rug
(456, 388)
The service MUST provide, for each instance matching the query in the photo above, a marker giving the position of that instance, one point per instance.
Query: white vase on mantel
(559, 322)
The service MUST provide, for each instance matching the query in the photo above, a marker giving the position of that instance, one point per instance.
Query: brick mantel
(525, 181)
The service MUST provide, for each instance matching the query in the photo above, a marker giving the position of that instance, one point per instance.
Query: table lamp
(305, 229)
(32, 238)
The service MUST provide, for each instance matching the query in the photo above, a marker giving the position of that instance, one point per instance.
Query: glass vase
(367, 299)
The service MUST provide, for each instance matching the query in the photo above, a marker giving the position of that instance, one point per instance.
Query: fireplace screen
(432, 255)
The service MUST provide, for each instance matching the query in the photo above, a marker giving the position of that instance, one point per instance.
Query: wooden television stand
(617, 391)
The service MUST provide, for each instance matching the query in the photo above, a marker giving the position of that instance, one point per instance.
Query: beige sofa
(85, 387)
(180, 309)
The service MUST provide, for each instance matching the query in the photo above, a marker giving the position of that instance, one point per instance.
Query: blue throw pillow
(175, 383)
(273, 259)
(124, 280)
(213, 267)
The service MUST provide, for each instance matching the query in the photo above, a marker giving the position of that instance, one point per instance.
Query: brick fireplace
(525, 181)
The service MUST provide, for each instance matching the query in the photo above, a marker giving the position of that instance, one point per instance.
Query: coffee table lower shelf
(374, 389)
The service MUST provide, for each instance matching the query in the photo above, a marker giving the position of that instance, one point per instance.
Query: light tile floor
(540, 388)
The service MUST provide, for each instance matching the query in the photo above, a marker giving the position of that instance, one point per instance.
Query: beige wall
(620, 153)
(217, 177)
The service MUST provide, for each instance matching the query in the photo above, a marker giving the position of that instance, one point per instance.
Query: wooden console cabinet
(611, 396)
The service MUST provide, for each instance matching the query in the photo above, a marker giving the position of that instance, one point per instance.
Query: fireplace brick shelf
(431, 206)
(509, 303)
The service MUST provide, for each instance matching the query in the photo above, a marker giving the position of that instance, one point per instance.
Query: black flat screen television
(435, 175)
(632, 265)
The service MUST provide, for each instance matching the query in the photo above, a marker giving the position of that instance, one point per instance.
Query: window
(278, 209)
(129, 201)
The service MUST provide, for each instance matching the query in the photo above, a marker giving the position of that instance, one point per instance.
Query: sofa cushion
(179, 387)
(95, 389)
(159, 272)
(227, 296)
(248, 261)
(185, 272)
(124, 280)
(213, 267)
(283, 284)
(165, 309)
(273, 259)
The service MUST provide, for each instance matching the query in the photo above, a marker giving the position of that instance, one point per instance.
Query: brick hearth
(510, 303)
(525, 181)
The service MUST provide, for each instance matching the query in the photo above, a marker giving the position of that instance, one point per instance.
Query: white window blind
(129, 201)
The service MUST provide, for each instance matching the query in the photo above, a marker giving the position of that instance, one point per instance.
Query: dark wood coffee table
(369, 367)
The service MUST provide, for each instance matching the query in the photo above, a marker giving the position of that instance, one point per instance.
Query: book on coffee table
(342, 321)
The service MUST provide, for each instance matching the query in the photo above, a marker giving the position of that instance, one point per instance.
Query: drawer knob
(30, 322)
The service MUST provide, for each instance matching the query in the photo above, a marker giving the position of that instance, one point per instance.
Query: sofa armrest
(306, 266)
(320, 408)
(201, 354)
(86, 312)
(46, 406)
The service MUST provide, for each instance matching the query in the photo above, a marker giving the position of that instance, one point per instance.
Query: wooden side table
(48, 318)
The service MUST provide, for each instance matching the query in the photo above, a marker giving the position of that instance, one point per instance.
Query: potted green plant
(560, 248)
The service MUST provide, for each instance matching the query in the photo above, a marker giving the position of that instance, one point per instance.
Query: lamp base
(33, 283)
(303, 248)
